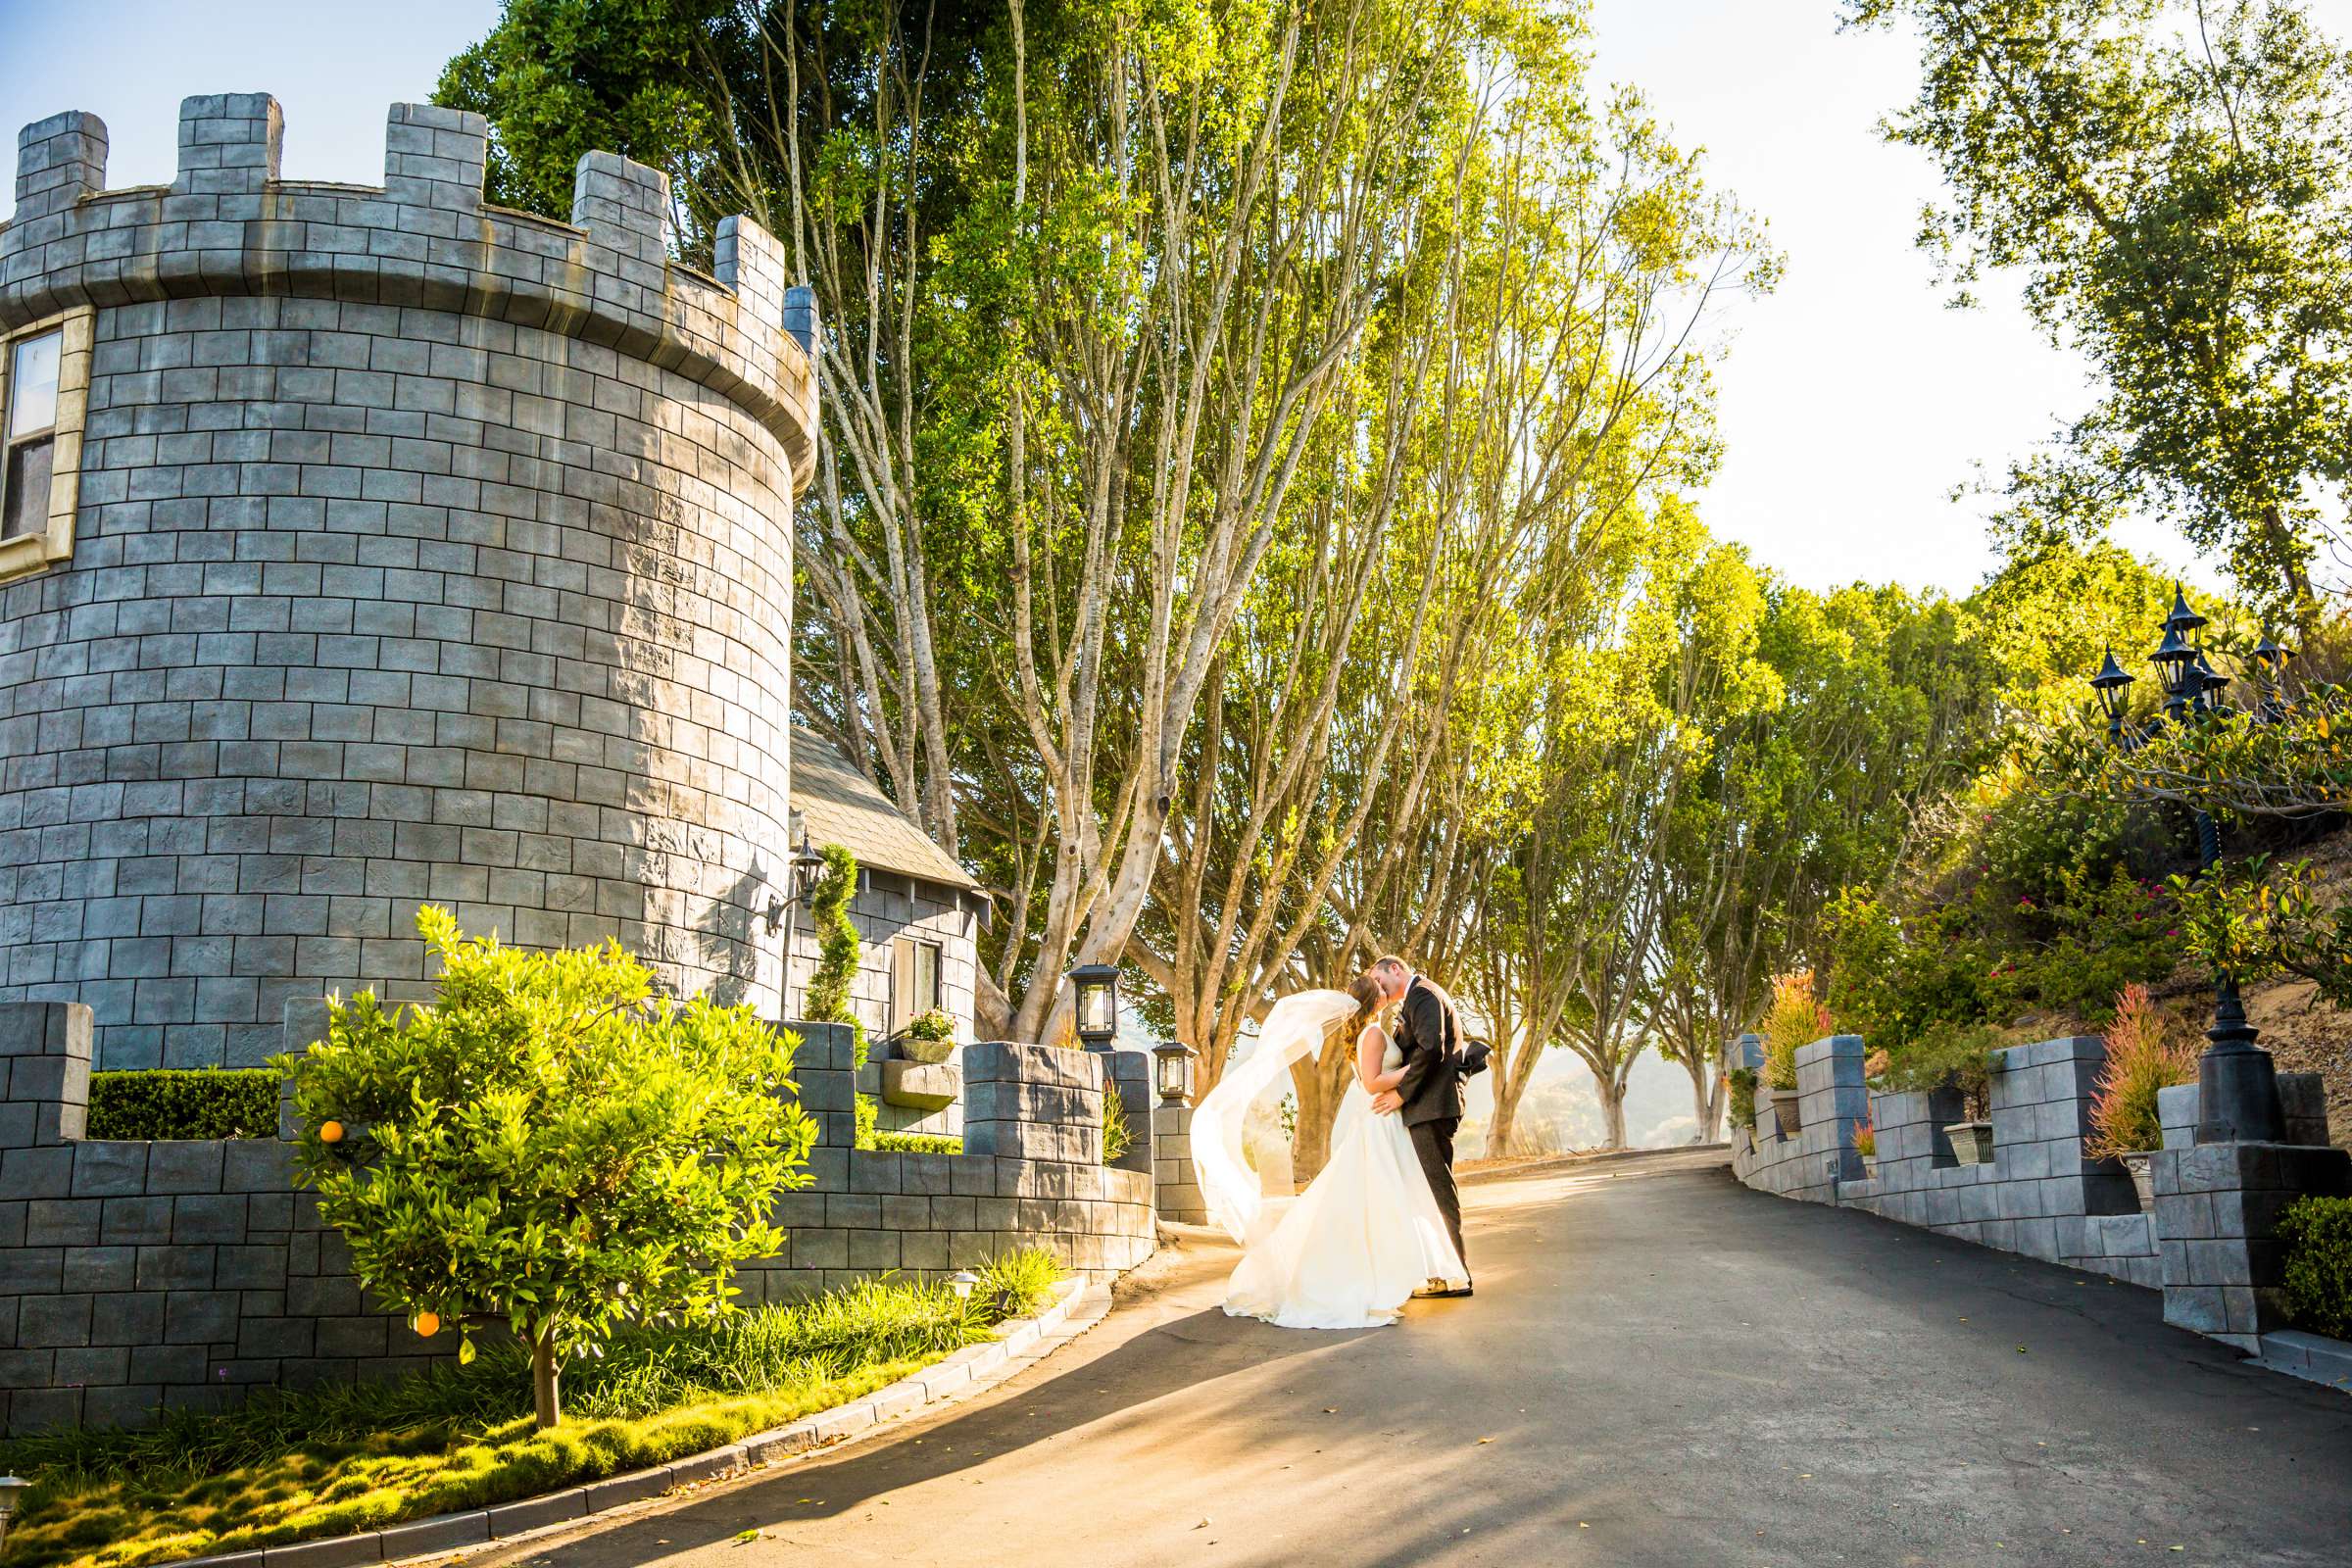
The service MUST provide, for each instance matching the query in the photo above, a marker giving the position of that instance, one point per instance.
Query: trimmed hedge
(165, 1102)
(915, 1144)
(2318, 1232)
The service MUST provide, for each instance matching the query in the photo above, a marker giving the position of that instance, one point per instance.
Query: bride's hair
(1366, 992)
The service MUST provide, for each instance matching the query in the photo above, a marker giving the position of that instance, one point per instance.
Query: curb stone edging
(2311, 1356)
(965, 1371)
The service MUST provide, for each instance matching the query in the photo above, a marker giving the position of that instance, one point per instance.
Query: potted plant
(1794, 1018)
(1960, 1057)
(1743, 1081)
(930, 1038)
(1866, 1145)
(2140, 1061)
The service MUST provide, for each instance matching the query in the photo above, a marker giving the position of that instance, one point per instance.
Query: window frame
(39, 549)
(903, 1009)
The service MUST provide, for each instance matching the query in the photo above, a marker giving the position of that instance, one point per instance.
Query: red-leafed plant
(2142, 1059)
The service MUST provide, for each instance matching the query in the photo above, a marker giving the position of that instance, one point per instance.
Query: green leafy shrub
(1950, 1056)
(1743, 1081)
(917, 1144)
(1795, 1018)
(2140, 1061)
(547, 1147)
(202, 1102)
(2318, 1233)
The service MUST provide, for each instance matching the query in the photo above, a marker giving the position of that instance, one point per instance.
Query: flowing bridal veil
(1293, 1028)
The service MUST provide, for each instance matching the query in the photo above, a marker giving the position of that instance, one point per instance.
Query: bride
(1347, 1251)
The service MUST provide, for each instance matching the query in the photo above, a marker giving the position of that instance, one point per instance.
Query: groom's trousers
(1433, 1142)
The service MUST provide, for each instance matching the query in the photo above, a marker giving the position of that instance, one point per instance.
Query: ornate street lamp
(2270, 678)
(2238, 1083)
(2114, 687)
(1172, 1067)
(1097, 986)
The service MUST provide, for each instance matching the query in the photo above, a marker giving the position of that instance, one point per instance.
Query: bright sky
(1853, 402)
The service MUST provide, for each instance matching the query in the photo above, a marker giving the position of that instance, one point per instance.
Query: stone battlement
(229, 225)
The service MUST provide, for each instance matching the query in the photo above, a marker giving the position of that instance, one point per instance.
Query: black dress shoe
(1451, 1295)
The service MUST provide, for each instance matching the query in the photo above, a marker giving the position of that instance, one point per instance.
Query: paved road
(1661, 1368)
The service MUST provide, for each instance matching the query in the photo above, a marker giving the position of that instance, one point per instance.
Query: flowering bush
(2140, 1061)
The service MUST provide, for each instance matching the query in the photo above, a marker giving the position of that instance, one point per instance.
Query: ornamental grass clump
(2142, 1059)
(547, 1147)
(1865, 1139)
(1795, 1018)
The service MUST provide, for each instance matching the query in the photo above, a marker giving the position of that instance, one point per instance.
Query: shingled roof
(840, 806)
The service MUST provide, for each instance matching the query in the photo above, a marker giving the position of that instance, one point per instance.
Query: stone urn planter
(1870, 1167)
(1785, 1114)
(930, 1053)
(2143, 1168)
(1971, 1142)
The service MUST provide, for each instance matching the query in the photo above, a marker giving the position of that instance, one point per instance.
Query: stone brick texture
(2209, 1243)
(143, 1275)
(425, 552)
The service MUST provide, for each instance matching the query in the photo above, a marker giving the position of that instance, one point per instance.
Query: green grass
(325, 1461)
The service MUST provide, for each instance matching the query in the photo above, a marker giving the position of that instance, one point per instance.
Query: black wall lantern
(1172, 1067)
(806, 867)
(1097, 986)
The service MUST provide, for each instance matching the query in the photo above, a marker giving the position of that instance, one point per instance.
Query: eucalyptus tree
(2180, 205)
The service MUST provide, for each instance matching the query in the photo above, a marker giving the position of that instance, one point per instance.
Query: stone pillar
(2217, 1208)
(1746, 1051)
(1033, 1103)
(800, 317)
(45, 1073)
(824, 1069)
(1176, 1185)
(1128, 1074)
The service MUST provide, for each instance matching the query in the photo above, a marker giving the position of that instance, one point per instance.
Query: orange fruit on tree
(428, 1324)
(331, 1132)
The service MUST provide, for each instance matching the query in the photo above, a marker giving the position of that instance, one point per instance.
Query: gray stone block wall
(425, 551)
(887, 906)
(2209, 1244)
(1177, 1180)
(138, 1275)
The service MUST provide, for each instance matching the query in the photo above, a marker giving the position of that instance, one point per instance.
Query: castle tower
(362, 547)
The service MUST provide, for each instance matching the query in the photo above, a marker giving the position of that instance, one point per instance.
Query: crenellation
(230, 145)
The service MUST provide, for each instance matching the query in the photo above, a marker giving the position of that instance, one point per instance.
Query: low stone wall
(138, 1274)
(2207, 1244)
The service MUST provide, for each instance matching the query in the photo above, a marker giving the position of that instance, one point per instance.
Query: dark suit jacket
(1429, 1037)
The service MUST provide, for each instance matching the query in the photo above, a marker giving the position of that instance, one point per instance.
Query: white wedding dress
(1366, 1234)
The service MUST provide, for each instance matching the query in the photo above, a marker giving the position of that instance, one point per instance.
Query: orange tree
(548, 1147)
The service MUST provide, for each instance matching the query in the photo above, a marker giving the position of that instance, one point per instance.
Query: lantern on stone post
(1172, 1067)
(2269, 676)
(1098, 988)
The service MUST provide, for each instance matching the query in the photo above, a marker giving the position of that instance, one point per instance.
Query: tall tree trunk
(546, 1408)
(1612, 1109)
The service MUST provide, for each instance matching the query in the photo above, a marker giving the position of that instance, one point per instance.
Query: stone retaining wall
(2206, 1243)
(138, 1274)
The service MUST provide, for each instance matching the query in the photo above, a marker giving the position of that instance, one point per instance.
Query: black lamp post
(2238, 1083)
(1097, 986)
(1172, 1065)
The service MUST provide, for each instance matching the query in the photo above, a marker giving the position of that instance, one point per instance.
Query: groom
(1429, 1094)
